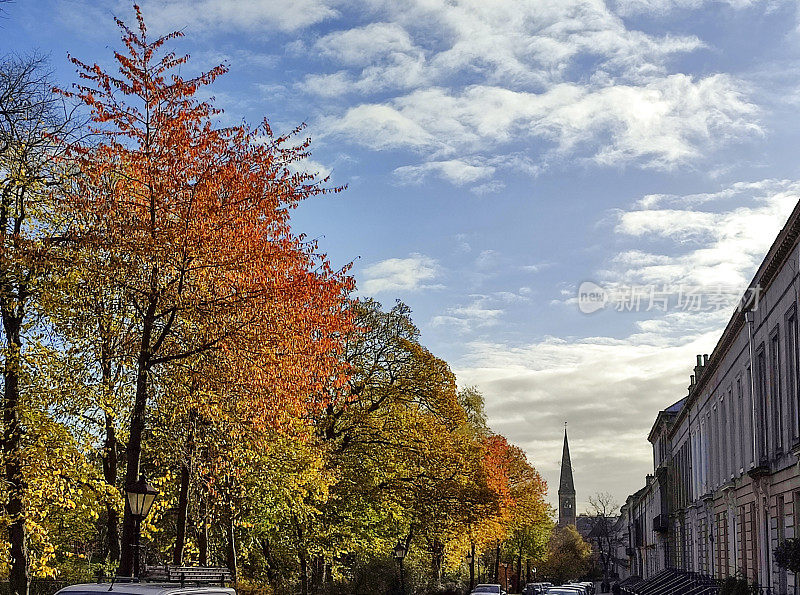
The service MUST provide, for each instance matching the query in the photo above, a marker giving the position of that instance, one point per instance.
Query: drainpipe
(748, 316)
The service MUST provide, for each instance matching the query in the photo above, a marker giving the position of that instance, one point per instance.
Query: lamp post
(399, 554)
(140, 496)
(471, 561)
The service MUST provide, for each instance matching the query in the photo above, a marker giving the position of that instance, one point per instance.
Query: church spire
(566, 488)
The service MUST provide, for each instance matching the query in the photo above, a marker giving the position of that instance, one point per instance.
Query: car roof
(125, 588)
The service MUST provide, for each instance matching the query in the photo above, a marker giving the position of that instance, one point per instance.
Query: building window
(734, 425)
(781, 537)
(723, 569)
(792, 369)
(796, 515)
(744, 552)
(689, 551)
(761, 397)
(702, 545)
(724, 455)
(744, 415)
(753, 542)
(775, 390)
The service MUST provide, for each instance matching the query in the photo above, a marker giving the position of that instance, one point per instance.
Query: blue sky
(498, 154)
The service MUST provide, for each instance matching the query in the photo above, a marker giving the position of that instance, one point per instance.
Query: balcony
(661, 523)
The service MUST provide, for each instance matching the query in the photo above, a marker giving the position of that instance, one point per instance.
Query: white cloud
(663, 124)
(381, 127)
(661, 7)
(328, 85)
(246, 15)
(461, 82)
(362, 46)
(312, 167)
(470, 317)
(758, 189)
(401, 274)
(707, 249)
(454, 170)
(530, 42)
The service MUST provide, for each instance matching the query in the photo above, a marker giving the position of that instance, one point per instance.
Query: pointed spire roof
(566, 486)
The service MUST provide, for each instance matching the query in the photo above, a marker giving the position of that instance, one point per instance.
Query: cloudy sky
(500, 153)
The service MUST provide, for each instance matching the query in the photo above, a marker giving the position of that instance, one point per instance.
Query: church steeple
(566, 488)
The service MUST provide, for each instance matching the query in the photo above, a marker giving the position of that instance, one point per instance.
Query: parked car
(535, 589)
(128, 588)
(571, 589)
(488, 589)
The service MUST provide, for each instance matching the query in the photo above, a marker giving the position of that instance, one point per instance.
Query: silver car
(488, 589)
(124, 588)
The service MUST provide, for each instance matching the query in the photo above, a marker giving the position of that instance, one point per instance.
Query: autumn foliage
(162, 318)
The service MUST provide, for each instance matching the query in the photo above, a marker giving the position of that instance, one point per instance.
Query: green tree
(408, 464)
(568, 555)
(32, 229)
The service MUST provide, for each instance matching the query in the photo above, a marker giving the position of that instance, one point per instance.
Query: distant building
(725, 490)
(566, 489)
(584, 524)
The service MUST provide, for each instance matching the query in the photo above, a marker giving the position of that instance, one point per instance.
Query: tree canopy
(161, 318)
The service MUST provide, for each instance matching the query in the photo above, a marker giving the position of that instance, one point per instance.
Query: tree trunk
(109, 457)
(134, 451)
(303, 571)
(519, 569)
(183, 498)
(110, 477)
(12, 450)
(472, 569)
(266, 550)
(496, 576)
(202, 538)
(183, 509)
(301, 554)
(231, 534)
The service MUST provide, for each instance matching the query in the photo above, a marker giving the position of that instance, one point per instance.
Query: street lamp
(140, 496)
(471, 561)
(399, 554)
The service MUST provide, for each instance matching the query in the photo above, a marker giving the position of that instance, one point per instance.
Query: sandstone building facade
(725, 488)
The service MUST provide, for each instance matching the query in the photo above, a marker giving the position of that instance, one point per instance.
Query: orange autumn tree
(520, 494)
(191, 221)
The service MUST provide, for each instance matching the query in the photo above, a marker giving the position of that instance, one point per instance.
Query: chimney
(705, 360)
(698, 369)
